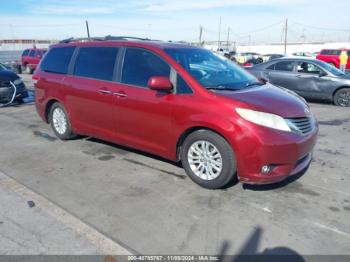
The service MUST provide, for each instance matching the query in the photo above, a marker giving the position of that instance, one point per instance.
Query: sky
(243, 21)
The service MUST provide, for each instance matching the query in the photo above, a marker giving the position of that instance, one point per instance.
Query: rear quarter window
(57, 60)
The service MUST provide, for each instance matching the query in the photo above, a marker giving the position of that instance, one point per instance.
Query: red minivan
(180, 102)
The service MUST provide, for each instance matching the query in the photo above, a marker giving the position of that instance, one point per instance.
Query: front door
(143, 115)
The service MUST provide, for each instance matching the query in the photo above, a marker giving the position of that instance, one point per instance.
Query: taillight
(248, 65)
(35, 79)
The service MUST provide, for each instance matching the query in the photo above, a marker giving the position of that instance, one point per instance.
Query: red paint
(32, 61)
(333, 59)
(154, 121)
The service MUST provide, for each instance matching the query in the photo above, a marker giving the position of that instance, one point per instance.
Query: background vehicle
(260, 59)
(180, 102)
(30, 59)
(7, 90)
(331, 56)
(309, 78)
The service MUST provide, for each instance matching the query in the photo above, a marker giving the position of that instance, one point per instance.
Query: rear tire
(342, 97)
(208, 159)
(60, 122)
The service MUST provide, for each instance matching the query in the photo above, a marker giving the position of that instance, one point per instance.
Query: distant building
(21, 44)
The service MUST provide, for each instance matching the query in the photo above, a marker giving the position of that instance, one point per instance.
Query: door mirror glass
(160, 83)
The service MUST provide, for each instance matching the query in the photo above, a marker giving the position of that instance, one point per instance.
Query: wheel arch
(337, 89)
(189, 131)
(48, 108)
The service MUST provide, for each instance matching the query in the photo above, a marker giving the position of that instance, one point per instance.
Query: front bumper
(286, 153)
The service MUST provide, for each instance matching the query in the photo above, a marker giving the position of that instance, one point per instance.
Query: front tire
(342, 97)
(208, 159)
(60, 122)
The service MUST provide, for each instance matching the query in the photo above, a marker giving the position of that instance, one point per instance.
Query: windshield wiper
(254, 84)
(221, 88)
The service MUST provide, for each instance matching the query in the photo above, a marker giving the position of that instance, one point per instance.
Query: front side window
(210, 70)
(308, 68)
(286, 66)
(181, 86)
(57, 60)
(139, 65)
(96, 62)
(25, 52)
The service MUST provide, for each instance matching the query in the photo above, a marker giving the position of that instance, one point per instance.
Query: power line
(321, 28)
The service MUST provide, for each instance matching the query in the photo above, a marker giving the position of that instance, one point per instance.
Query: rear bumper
(286, 153)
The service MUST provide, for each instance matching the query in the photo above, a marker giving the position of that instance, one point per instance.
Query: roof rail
(106, 38)
(72, 39)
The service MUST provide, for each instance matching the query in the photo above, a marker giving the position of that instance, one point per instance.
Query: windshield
(330, 68)
(210, 70)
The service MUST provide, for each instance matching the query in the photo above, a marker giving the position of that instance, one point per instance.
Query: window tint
(25, 52)
(348, 52)
(96, 62)
(57, 60)
(271, 67)
(308, 68)
(139, 65)
(32, 53)
(330, 52)
(284, 66)
(181, 86)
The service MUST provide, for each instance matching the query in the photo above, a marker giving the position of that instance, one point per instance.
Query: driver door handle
(104, 91)
(120, 94)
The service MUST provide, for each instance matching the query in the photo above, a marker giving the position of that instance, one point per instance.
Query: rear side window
(57, 60)
(284, 66)
(96, 62)
(25, 52)
(139, 65)
(32, 53)
(330, 52)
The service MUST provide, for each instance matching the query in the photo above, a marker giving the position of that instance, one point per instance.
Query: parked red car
(179, 102)
(331, 56)
(31, 57)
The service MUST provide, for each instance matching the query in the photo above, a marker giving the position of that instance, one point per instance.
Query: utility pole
(87, 28)
(219, 33)
(285, 37)
(228, 38)
(200, 35)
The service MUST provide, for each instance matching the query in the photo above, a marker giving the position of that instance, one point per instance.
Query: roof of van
(120, 41)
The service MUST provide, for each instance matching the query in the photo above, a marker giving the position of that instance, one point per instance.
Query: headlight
(18, 81)
(264, 119)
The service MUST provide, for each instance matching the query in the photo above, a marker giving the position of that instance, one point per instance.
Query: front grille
(301, 125)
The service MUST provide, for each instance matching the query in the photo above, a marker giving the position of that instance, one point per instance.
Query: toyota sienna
(180, 102)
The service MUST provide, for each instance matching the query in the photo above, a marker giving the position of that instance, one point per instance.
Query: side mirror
(160, 83)
(263, 80)
(321, 74)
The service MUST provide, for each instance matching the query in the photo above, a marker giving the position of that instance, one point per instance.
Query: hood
(270, 99)
(7, 75)
(346, 76)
